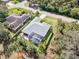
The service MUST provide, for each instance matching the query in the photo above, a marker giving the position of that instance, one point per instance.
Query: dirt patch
(51, 52)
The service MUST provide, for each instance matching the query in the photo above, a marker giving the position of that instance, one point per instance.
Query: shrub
(16, 1)
(2, 19)
(19, 11)
(75, 13)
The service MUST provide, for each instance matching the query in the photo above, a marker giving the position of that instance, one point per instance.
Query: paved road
(64, 18)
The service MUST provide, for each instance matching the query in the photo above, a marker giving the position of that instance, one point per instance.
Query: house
(36, 31)
(33, 5)
(15, 21)
(5, 1)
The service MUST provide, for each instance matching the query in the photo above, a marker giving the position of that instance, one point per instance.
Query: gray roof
(36, 19)
(36, 27)
(12, 18)
(16, 21)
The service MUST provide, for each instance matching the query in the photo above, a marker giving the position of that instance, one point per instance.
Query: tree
(75, 13)
(59, 6)
(4, 35)
(66, 41)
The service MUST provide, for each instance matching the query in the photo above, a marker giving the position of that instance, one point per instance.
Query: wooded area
(65, 7)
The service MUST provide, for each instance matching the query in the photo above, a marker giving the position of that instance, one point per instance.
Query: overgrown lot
(64, 7)
(65, 43)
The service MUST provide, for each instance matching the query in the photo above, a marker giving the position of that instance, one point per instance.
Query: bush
(63, 7)
(75, 13)
(64, 10)
(19, 11)
(2, 19)
(16, 1)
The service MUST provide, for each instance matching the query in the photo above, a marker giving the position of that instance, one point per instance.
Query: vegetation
(66, 40)
(2, 17)
(18, 11)
(16, 1)
(63, 37)
(4, 35)
(4, 40)
(19, 44)
(64, 43)
(3, 9)
(65, 7)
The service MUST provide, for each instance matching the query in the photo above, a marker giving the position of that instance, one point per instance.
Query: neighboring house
(5, 1)
(15, 21)
(36, 31)
(33, 5)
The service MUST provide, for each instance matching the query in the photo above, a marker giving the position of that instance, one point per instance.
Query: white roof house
(37, 28)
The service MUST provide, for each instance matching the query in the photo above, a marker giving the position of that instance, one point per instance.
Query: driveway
(64, 18)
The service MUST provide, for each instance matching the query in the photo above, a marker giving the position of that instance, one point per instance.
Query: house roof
(16, 20)
(12, 18)
(37, 27)
(36, 19)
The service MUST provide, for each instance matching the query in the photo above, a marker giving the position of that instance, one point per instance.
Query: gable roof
(36, 27)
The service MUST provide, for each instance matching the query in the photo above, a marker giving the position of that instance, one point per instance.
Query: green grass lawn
(52, 21)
